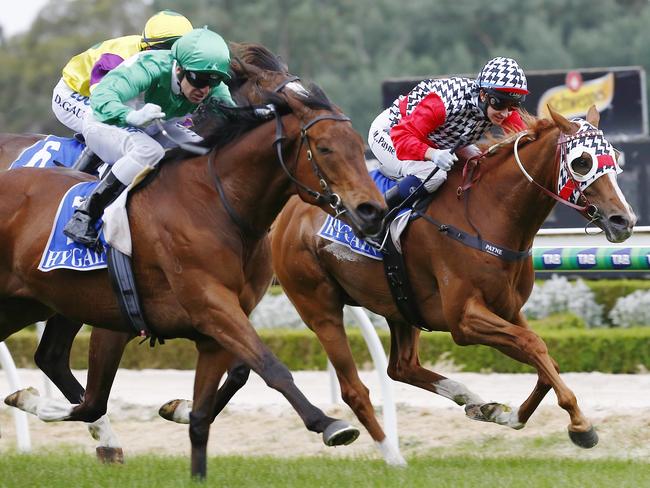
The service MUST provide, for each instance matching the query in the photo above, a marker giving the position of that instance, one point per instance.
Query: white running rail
(22, 429)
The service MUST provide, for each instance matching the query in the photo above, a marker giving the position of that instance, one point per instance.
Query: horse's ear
(593, 117)
(565, 125)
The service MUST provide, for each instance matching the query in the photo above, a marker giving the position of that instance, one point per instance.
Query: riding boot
(81, 226)
(87, 162)
(405, 187)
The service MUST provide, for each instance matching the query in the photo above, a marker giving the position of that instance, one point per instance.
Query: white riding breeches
(127, 149)
(69, 107)
(382, 147)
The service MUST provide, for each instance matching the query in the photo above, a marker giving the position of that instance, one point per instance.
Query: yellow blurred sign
(575, 103)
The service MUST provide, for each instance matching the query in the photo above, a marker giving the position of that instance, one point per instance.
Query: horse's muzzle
(367, 218)
(618, 227)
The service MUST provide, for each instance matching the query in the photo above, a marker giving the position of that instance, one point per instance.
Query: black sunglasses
(200, 80)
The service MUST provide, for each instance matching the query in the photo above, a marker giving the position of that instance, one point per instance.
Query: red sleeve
(513, 122)
(409, 136)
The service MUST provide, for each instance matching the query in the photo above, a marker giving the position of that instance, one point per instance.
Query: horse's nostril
(619, 221)
(369, 211)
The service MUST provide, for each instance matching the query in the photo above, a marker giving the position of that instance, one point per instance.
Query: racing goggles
(510, 101)
(200, 79)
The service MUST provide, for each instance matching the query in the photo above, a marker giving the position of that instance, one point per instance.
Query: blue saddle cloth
(338, 231)
(51, 152)
(61, 252)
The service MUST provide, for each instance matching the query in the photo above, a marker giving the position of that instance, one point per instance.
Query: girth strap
(121, 273)
(400, 285)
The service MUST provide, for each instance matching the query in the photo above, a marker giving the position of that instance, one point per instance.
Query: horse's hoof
(16, 398)
(176, 411)
(340, 433)
(586, 439)
(110, 455)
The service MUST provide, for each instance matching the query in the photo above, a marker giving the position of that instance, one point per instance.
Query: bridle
(589, 209)
(328, 196)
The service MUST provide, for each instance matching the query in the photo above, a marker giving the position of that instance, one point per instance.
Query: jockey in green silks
(151, 85)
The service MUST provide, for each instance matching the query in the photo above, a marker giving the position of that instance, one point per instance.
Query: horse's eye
(581, 165)
(324, 150)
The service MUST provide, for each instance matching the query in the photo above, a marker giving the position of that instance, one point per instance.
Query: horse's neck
(504, 206)
(254, 183)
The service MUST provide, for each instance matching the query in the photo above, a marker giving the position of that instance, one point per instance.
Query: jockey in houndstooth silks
(419, 131)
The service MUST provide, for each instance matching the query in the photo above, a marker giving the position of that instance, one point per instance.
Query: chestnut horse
(475, 296)
(181, 226)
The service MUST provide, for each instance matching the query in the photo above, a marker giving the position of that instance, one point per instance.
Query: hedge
(575, 349)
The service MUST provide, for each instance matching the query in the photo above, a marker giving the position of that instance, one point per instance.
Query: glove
(265, 112)
(144, 116)
(443, 158)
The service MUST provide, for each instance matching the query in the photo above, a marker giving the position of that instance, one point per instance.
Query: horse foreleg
(404, 366)
(53, 358)
(179, 410)
(212, 363)
(234, 331)
(327, 323)
(479, 325)
(104, 355)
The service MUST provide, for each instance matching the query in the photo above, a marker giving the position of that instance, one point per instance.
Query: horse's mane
(256, 55)
(533, 124)
(220, 124)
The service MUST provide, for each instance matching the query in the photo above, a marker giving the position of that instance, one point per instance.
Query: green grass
(71, 469)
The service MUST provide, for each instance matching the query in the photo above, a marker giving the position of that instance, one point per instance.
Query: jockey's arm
(409, 136)
(109, 97)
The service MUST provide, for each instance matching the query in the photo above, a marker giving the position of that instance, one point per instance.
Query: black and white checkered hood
(464, 122)
(589, 140)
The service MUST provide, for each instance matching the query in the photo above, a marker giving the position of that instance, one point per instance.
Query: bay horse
(255, 69)
(183, 293)
(474, 295)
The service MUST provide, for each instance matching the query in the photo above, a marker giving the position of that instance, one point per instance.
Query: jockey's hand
(442, 158)
(265, 112)
(144, 116)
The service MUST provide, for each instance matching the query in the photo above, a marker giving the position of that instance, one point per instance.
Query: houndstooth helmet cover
(503, 74)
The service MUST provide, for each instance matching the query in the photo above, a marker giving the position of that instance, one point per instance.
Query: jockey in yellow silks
(150, 86)
(70, 97)
(440, 118)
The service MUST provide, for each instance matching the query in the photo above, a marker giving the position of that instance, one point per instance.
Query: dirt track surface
(259, 421)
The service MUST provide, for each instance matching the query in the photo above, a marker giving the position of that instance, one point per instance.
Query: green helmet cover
(202, 50)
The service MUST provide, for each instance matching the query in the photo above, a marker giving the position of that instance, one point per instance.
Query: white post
(22, 428)
(335, 388)
(47, 384)
(381, 366)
